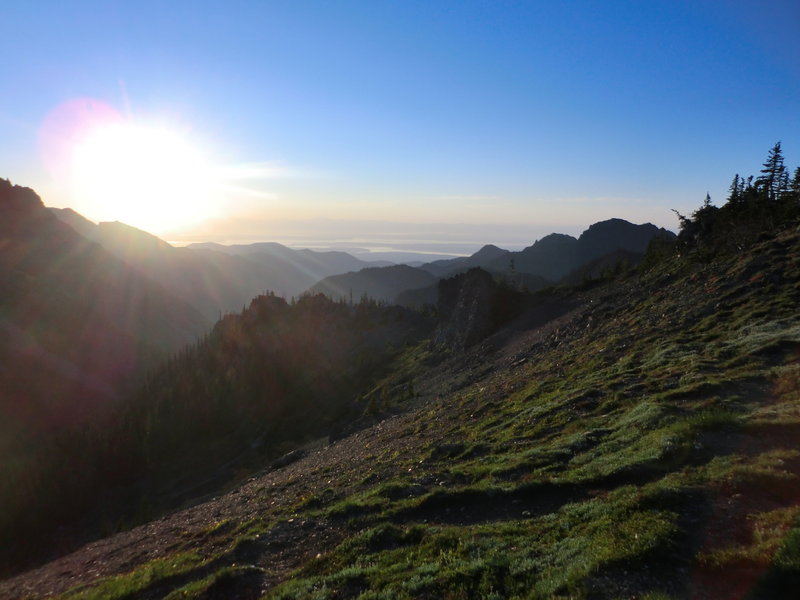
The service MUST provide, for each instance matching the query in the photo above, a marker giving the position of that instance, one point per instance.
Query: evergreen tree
(736, 190)
(792, 196)
(774, 180)
(794, 186)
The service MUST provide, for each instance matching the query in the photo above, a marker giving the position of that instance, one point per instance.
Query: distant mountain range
(216, 279)
(482, 258)
(556, 255)
(553, 259)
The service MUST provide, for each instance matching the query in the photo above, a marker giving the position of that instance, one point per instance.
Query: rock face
(471, 306)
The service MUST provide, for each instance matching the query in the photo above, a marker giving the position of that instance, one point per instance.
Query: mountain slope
(216, 279)
(635, 438)
(260, 383)
(383, 284)
(77, 322)
(481, 258)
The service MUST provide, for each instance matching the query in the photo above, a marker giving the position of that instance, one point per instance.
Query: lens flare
(149, 175)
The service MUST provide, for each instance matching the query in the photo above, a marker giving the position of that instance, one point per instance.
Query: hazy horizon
(365, 238)
(486, 114)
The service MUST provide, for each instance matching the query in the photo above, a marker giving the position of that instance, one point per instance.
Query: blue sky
(538, 116)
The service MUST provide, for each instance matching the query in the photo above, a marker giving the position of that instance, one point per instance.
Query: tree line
(755, 205)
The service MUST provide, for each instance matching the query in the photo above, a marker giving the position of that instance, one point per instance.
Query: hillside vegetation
(258, 385)
(635, 437)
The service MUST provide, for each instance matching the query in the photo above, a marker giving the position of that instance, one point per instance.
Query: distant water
(359, 246)
(378, 238)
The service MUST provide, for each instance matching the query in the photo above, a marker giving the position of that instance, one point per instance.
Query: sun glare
(149, 177)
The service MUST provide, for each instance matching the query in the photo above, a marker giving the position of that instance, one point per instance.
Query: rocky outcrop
(471, 306)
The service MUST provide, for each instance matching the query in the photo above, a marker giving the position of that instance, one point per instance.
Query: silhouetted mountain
(616, 234)
(482, 258)
(384, 284)
(550, 257)
(214, 278)
(557, 254)
(212, 282)
(77, 322)
(75, 220)
(321, 264)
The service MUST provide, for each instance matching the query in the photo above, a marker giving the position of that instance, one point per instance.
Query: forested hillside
(260, 384)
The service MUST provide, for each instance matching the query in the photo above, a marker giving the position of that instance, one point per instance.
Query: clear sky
(490, 117)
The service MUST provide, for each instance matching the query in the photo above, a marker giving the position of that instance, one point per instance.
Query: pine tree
(792, 196)
(774, 180)
(736, 189)
(794, 186)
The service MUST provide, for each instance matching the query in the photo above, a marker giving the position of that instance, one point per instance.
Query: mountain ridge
(216, 279)
(51, 274)
(546, 262)
(383, 284)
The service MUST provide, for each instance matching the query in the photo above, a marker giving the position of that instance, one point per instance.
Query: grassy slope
(647, 447)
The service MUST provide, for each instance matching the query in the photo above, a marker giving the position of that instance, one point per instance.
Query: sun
(148, 176)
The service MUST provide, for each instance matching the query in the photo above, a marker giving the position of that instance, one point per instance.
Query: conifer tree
(774, 180)
(794, 186)
(736, 190)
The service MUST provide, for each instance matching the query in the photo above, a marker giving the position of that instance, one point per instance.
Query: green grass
(138, 580)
